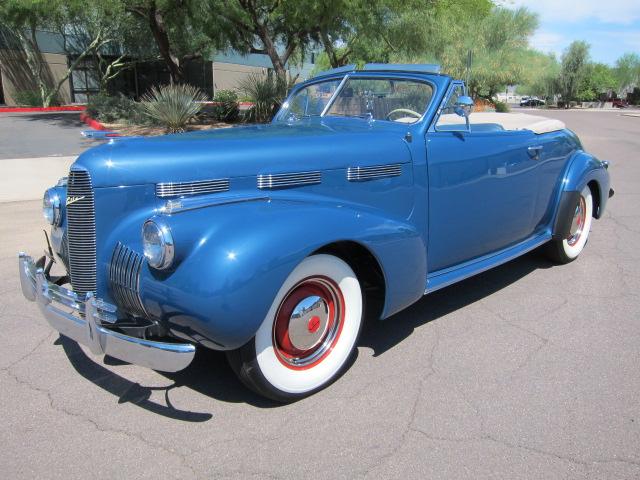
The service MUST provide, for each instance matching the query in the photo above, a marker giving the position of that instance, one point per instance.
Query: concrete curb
(93, 123)
(28, 178)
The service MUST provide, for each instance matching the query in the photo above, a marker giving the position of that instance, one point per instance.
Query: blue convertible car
(370, 189)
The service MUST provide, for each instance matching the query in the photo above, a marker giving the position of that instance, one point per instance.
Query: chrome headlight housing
(51, 207)
(157, 244)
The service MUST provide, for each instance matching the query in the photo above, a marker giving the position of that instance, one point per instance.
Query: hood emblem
(71, 200)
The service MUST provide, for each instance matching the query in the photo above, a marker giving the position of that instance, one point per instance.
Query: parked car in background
(620, 103)
(370, 189)
(531, 102)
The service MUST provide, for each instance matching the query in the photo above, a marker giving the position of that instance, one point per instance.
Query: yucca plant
(266, 93)
(173, 106)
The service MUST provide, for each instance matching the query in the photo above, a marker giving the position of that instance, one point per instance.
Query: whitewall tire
(567, 249)
(309, 333)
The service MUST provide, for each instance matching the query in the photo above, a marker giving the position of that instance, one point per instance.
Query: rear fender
(584, 169)
(232, 259)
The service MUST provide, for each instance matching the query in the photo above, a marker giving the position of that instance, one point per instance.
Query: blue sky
(611, 27)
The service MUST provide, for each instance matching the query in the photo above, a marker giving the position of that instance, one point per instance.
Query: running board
(447, 276)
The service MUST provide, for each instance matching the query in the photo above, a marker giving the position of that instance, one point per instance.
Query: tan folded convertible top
(508, 121)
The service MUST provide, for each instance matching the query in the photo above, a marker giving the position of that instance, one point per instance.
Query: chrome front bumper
(82, 320)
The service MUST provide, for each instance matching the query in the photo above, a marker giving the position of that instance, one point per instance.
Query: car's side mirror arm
(464, 107)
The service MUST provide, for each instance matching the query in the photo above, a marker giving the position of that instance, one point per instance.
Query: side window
(449, 120)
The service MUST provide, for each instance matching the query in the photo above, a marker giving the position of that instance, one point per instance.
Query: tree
(178, 29)
(496, 37)
(126, 42)
(277, 28)
(627, 71)
(598, 79)
(23, 18)
(574, 67)
(541, 76)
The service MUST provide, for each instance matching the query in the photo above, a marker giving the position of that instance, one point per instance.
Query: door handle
(534, 151)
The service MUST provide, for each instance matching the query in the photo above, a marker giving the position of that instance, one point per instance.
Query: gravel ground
(527, 371)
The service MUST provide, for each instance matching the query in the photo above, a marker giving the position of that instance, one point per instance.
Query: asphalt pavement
(528, 371)
(41, 134)
(36, 149)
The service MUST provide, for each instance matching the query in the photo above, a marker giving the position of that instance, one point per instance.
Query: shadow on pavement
(71, 119)
(210, 375)
(382, 336)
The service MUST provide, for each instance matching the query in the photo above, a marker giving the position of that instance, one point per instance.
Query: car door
(482, 189)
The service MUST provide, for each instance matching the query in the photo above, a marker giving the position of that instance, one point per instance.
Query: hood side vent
(124, 275)
(284, 180)
(200, 187)
(361, 174)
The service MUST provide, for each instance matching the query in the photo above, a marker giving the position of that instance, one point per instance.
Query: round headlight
(157, 243)
(51, 207)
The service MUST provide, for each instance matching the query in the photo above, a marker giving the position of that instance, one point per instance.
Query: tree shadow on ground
(210, 375)
(61, 119)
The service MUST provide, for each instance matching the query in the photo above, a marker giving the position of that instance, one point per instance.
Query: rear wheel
(308, 334)
(567, 249)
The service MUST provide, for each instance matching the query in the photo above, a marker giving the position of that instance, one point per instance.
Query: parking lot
(528, 371)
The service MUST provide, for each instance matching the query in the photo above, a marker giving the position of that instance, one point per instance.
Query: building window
(84, 83)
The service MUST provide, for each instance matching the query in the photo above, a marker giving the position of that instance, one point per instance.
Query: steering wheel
(405, 111)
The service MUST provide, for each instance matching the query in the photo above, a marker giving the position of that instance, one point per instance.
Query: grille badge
(71, 200)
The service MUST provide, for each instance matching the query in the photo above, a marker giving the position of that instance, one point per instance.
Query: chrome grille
(124, 275)
(81, 228)
(282, 180)
(360, 174)
(164, 190)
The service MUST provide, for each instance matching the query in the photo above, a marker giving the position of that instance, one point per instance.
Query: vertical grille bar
(81, 228)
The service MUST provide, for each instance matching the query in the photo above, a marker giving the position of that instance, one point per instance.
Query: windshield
(397, 100)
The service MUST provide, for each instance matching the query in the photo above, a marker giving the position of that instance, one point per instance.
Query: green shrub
(114, 109)
(502, 107)
(226, 108)
(173, 106)
(28, 98)
(266, 93)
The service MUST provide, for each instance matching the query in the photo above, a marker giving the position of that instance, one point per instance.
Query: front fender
(232, 260)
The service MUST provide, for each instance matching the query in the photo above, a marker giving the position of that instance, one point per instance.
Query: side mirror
(463, 107)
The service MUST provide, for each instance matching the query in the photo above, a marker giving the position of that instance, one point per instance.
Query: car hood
(309, 145)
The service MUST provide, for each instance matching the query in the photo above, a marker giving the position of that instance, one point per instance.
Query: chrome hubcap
(577, 225)
(308, 322)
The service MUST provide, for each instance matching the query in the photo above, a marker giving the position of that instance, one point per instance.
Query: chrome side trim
(200, 187)
(361, 174)
(171, 207)
(447, 276)
(82, 319)
(124, 277)
(283, 180)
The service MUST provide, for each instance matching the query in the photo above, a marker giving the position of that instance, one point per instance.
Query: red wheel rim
(308, 323)
(578, 222)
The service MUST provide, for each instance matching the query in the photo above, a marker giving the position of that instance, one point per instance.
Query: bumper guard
(82, 320)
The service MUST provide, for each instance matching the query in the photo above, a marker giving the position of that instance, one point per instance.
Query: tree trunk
(159, 31)
(270, 48)
(34, 59)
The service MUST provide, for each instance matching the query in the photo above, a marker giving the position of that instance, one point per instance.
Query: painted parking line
(28, 178)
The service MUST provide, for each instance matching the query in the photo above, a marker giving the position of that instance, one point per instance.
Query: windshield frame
(282, 115)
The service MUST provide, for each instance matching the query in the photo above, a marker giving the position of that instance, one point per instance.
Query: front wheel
(308, 334)
(567, 249)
